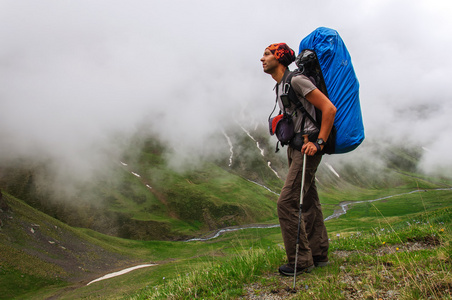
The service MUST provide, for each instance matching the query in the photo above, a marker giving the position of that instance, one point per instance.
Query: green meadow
(394, 248)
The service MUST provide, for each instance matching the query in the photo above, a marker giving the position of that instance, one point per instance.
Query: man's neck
(279, 74)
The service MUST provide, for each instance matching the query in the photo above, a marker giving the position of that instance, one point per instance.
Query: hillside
(47, 259)
(134, 213)
(141, 197)
(393, 261)
(38, 251)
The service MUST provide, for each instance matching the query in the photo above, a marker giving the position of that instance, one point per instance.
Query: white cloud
(74, 72)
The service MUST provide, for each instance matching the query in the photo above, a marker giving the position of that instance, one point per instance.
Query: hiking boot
(288, 270)
(319, 264)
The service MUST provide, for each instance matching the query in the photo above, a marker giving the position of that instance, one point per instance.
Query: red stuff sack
(282, 126)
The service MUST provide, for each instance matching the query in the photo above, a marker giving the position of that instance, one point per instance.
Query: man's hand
(310, 148)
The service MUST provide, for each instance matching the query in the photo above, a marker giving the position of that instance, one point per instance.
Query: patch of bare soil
(279, 287)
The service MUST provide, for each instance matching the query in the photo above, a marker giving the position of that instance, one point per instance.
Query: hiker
(313, 243)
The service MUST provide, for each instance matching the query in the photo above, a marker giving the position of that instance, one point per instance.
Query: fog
(79, 77)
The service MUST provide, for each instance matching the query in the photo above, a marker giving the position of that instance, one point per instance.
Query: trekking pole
(305, 137)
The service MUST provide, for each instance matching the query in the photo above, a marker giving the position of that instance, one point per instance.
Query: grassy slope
(42, 256)
(175, 205)
(405, 255)
(193, 202)
(37, 251)
(179, 204)
(180, 260)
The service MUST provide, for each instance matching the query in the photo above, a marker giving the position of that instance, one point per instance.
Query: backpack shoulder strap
(294, 99)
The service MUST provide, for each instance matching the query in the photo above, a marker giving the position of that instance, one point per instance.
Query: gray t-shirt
(302, 86)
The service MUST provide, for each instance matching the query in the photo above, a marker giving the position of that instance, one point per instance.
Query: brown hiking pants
(313, 244)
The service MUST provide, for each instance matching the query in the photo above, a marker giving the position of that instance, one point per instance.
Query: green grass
(221, 279)
(404, 255)
(368, 265)
(365, 216)
(192, 201)
(372, 250)
(412, 261)
(14, 282)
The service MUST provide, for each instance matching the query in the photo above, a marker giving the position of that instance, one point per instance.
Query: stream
(217, 233)
(344, 206)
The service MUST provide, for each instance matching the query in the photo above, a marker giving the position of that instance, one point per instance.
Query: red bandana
(282, 53)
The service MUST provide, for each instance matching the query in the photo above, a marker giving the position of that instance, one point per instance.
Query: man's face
(269, 62)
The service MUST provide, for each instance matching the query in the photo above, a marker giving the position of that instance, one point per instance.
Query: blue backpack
(324, 59)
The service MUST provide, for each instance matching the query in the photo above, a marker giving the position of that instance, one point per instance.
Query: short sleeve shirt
(302, 86)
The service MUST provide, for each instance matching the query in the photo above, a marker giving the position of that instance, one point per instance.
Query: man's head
(277, 54)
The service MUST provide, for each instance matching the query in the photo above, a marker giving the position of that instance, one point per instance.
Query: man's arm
(320, 101)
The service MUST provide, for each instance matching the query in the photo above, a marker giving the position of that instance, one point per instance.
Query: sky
(75, 75)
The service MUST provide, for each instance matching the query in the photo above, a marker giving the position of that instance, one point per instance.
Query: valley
(178, 222)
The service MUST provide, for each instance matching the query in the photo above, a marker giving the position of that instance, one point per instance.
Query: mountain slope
(141, 197)
(38, 250)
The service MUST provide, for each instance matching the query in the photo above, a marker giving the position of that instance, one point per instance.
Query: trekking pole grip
(305, 139)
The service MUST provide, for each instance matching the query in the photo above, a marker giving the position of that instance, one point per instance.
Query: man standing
(313, 242)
